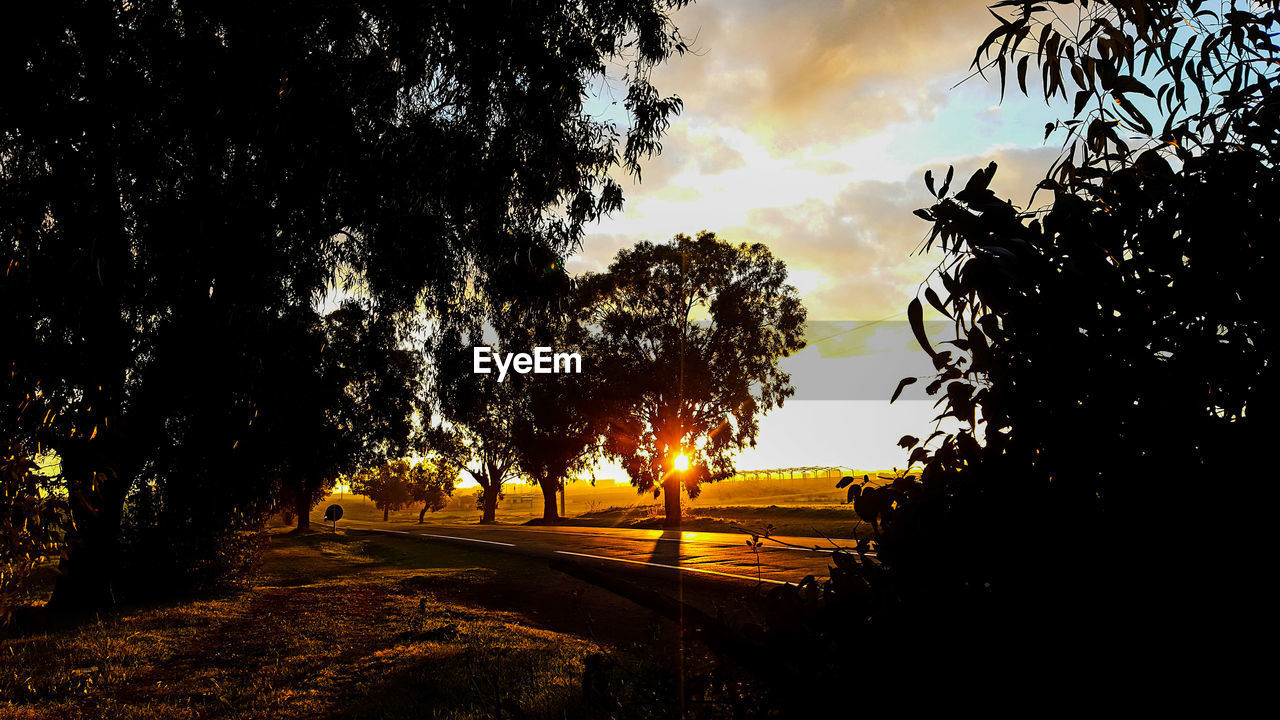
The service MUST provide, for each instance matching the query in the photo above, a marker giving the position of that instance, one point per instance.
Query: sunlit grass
(332, 627)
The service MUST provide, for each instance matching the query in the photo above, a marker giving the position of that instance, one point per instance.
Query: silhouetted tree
(557, 427)
(431, 483)
(344, 400)
(557, 433)
(1111, 357)
(477, 415)
(182, 182)
(689, 334)
(34, 521)
(1113, 346)
(387, 485)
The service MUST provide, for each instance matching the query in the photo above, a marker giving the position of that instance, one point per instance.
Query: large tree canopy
(1113, 350)
(180, 181)
(689, 334)
(1109, 373)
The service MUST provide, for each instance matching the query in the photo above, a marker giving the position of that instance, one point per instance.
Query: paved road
(708, 555)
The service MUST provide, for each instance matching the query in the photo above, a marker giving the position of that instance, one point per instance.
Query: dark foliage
(558, 426)
(1111, 364)
(344, 400)
(33, 523)
(681, 384)
(181, 184)
(431, 482)
(476, 415)
(387, 485)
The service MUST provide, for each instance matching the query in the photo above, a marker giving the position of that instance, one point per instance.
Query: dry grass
(806, 493)
(833, 522)
(816, 520)
(336, 626)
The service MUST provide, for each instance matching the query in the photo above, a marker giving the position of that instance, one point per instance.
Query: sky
(808, 126)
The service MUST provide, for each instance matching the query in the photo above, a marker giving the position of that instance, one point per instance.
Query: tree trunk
(423, 512)
(86, 574)
(91, 565)
(490, 507)
(550, 515)
(386, 512)
(671, 500)
(303, 509)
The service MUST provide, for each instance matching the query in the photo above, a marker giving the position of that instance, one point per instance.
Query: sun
(682, 462)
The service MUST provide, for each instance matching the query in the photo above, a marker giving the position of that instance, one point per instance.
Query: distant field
(833, 522)
(810, 506)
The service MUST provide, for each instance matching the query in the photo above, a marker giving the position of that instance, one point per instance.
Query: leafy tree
(1113, 346)
(480, 443)
(182, 182)
(431, 483)
(558, 424)
(545, 427)
(344, 400)
(477, 415)
(689, 334)
(557, 433)
(1110, 358)
(387, 485)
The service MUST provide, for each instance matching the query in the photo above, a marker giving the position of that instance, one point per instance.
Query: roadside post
(333, 514)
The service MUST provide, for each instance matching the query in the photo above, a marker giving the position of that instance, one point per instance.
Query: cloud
(852, 256)
(598, 250)
(861, 244)
(689, 153)
(824, 166)
(806, 72)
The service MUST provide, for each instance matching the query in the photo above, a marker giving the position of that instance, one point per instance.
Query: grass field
(833, 522)
(808, 507)
(351, 625)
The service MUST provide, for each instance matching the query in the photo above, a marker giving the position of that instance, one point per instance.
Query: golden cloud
(861, 244)
(795, 74)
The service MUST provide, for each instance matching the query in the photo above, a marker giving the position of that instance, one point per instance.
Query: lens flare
(682, 462)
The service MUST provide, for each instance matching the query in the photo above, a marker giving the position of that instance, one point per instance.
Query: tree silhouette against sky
(180, 180)
(1108, 378)
(689, 334)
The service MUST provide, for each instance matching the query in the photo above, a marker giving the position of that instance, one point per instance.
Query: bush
(33, 524)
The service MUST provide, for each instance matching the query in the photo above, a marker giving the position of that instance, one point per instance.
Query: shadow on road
(666, 549)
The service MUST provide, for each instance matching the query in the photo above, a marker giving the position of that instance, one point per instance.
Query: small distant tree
(386, 485)
(431, 483)
(689, 334)
(480, 444)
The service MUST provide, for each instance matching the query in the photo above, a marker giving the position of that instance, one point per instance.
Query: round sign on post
(333, 514)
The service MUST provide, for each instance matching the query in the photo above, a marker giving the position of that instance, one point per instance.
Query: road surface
(705, 555)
